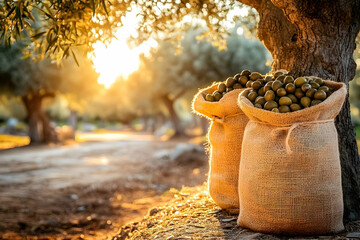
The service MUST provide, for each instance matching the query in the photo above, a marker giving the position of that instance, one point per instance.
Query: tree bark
(318, 38)
(72, 119)
(33, 108)
(40, 129)
(175, 120)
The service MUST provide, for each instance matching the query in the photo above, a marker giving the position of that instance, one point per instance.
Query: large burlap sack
(290, 176)
(225, 138)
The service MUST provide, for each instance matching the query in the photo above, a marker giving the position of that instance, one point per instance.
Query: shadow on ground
(96, 202)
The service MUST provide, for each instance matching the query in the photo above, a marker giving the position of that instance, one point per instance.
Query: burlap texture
(225, 138)
(290, 175)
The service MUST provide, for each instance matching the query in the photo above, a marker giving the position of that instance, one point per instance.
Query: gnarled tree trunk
(318, 38)
(40, 129)
(175, 120)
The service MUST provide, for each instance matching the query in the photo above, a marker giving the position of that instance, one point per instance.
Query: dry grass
(10, 141)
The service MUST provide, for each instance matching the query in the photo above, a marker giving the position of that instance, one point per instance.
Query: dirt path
(89, 190)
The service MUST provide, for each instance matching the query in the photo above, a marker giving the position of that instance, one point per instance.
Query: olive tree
(303, 37)
(197, 65)
(35, 81)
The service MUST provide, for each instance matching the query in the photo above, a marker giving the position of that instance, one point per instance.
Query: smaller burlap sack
(290, 175)
(225, 138)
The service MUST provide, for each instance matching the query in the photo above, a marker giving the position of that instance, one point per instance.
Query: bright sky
(117, 59)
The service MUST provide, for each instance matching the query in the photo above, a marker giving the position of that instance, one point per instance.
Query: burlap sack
(225, 138)
(290, 176)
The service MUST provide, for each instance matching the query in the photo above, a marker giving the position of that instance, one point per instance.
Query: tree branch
(48, 94)
(179, 94)
(323, 11)
(252, 3)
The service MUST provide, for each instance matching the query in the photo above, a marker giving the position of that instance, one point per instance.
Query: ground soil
(192, 214)
(90, 190)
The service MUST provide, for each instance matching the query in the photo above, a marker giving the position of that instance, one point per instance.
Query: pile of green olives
(245, 79)
(283, 93)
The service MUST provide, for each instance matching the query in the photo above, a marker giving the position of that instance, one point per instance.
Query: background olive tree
(35, 81)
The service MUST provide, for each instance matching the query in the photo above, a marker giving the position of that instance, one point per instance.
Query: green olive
(214, 92)
(257, 105)
(217, 95)
(284, 109)
(329, 92)
(320, 94)
(281, 78)
(252, 95)
(249, 83)
(261, 80)
(305, 87)
(275, 110)
(230, 82)
(315, 85)
(288, 79)
(221, 87)
(278, 73)
(310, 93)
(254, 76)
(315, 102)
(245, 72)
(295, 107)
(229, 89)
(268, 86)
(285, 101)
(243, 80)
(298, 93)
(237, 86)
(319, 81)
(293, 98)
(256, 85)
(269, 95)
(300, 81)
(276, 85)
(270, 105)
(290, 87)
(209, 98)
(261, 91)
(324, 88)
(260, 100)
(237, 76)
(305, 102)
(281, 92)
(268, 78)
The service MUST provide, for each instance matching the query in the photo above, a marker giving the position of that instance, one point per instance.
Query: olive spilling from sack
(282, 93)
(245, 79)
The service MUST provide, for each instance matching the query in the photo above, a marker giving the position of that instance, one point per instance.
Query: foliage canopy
(57, 26)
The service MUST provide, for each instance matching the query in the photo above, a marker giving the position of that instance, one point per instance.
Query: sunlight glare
(97, 160)
(118, 59)
(240, 31)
